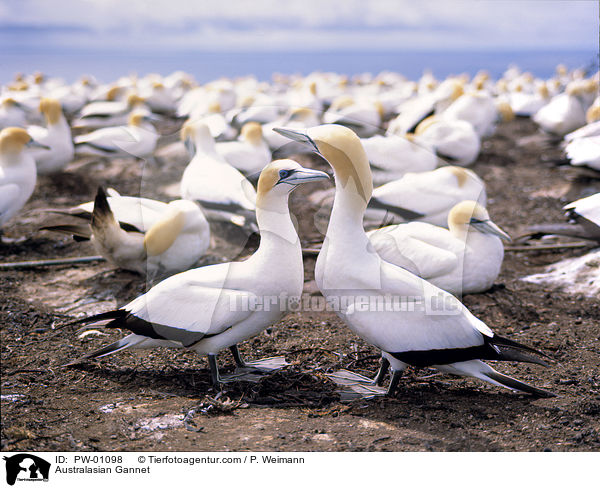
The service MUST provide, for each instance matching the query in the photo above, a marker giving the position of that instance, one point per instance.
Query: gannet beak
(34, 144)
(304, 175)
(190, 146)
(298, 136)
(488, 227)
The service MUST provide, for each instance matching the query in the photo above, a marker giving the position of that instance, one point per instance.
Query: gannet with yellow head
(224, 193)
(215, 307)
(56, 135)
(435, 329)
(17, 171)
(250, 154)
(465, 258)
(146, 236)
(137, 139)
(12, 114)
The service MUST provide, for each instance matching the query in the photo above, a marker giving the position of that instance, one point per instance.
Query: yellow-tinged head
(134, 100)
(51, 109)
(341, 102)
(136, 119)
(425, 124)
(543, 90)
(282, 176)
(9, 102)
(470, 214)
(252, 132)
(13, 140)
(593, 114)
(214, 107)
(461, 174)
(38, 78)
(163, 233)
(561, 70)
(113, 93)
(342, 149)
(313, 87)
(506, 112)
(300, 113)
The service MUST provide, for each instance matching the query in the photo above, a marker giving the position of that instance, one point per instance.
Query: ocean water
(206, 66)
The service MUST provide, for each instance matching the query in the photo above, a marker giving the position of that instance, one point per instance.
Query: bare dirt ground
(137, 400)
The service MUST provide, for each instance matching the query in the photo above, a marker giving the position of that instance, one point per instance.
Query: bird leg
(215, 379)
(394, 383)
(239, 361)
(383, 369)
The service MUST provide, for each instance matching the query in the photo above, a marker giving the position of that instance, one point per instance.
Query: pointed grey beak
(305, 175)
(298, 136)
(35, 144)
(488, 227)
(190, 147)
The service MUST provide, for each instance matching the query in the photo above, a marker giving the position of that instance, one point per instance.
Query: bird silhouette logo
(26, 467)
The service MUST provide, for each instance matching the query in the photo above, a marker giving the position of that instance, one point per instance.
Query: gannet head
(113, 93)
(9, 102)
(593, 114)
(470, 214)
(214, 107)
(299, 114)
(425, 124)
(134, 100)
(196, 133)
(51, 109)
(137, 118)
(543, 90)
(13, 140)
(252, 133)
(342, 149)
(561, 70)
(38, 78)
(505, 110)
(282, 176)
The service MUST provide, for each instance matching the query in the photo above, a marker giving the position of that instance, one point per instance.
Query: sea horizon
(107, 65)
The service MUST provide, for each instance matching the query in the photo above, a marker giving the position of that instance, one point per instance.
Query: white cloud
(320, 23)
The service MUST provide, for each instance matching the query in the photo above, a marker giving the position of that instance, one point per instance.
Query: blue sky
(300, 25)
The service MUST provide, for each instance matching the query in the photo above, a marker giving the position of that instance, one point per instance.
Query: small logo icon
(26, 467)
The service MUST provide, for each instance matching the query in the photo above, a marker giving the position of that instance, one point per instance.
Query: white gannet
(112, 112)
(436, 329)
(480, 110)
(215, 307)
(428, 196)
(465, 258)
(137, 139)
(149, 237)
(392, 156)
(363, 116)
(583, 144)
(563, 114)
(56, 135)
(454, 140)
(250, 154)
(223, 192)
(17, 172)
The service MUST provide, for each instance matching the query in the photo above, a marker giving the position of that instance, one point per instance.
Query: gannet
(111, 113)
(216, 307)
(296, 118)
(436, 329)
(138, 139)
(465, 258)
(223, 192)
(583, 144)
(480, 110)
(429, 195)
(56, 135)
(564, 113)
(17, 172)
(250, 154)
(11, 114)
(454, 140)
(363, 116)
(149, 237)
(391, 157)
(584, 218)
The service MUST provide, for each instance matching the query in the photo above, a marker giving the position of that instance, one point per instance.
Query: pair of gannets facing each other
(56, 135)
(215, 307)
(250, 154)
(17, 171)
(465, 258)
(349, 271)
(137, 139)
(146, 236)
(223, 192)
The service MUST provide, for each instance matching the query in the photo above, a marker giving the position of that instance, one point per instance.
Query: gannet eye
(284, 173)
